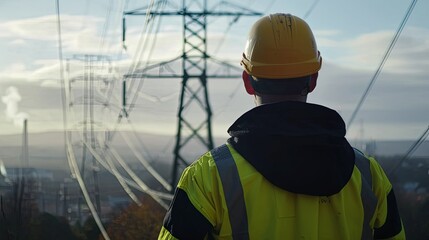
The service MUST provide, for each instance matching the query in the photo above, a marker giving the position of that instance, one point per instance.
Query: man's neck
(267, 99)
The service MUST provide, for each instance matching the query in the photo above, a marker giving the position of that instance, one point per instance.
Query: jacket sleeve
(392, 227)
(192, 213)
(388, 221)
(183, 220)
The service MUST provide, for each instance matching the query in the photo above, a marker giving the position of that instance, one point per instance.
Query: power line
(157, 196)
(119, 55)
(383, 61)
(142, 43)
(145, 163)
(140, 84)
(69, 152)
(147, 28)
(411, 150)
(61, 65)
(310, 10)
(161, 5)
(105, 27)
(139, 184)
(223, 38)
(121, 180)
(91, 146)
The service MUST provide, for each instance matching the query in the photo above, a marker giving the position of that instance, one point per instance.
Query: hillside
(46, 150)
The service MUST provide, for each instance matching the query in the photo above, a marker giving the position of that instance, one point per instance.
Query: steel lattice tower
(85, 99)
(194, 91)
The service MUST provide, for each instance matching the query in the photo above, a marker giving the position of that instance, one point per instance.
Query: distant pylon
(85, 94)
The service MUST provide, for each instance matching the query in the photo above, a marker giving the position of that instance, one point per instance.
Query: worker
(287, 171)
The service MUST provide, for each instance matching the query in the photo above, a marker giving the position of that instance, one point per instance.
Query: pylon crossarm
(143, 10)
(143, 72)
(242, 10)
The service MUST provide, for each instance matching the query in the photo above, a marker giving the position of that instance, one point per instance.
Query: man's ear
(247, 84)
(313, 82)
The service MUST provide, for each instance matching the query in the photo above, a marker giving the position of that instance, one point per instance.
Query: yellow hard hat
(281, 46)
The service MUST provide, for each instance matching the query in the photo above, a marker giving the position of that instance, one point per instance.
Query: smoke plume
(11, 100)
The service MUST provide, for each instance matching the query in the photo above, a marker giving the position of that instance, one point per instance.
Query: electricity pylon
(86, 95)
(194, 73)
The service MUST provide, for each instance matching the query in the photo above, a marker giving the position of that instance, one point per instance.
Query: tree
(137, 222)
(17, 209)
(90, 229)
(48, 227)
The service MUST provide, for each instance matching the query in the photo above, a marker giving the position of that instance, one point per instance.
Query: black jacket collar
(297, 146)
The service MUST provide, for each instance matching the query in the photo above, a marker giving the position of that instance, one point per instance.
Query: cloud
(50, 84)
(18, 42)
(327, 38)
(409, 54)
(79, 34)
(45, 27)
(15, 72)
(11, 100)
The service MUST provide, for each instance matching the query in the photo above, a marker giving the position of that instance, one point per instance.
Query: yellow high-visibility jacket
(222, 195)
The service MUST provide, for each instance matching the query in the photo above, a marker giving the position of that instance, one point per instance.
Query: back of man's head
(281, 56)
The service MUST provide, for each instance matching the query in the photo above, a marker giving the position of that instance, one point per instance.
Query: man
(287, 172)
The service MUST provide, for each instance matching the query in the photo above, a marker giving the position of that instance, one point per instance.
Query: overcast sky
(352, 37)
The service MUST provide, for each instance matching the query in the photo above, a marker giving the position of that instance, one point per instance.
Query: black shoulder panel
(393, 224)
(183, 220)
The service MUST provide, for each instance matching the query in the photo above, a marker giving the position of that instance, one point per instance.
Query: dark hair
(289, 86)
